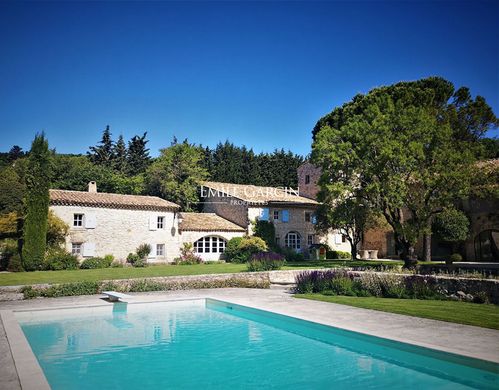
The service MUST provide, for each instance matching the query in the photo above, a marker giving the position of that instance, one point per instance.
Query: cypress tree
(36, 204)
(120, 155)
(102, 154)
(138, 158)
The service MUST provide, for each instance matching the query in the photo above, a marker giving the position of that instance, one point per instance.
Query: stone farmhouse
(103, 223)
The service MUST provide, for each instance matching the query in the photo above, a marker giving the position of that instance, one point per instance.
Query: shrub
(8, 248)
(422, 287)
(139, 285)
(342, 286)
(57, 259)
(240, 249)
(96, 262)
(143, 285)
(140, 263)
(341, 255)
(108, 259)
(116, 264)
(265, 261)
(29, 292)
(187, 255)
(61, 290)
(454, 258)
(232, 248)
(143, 250)
(15, 263)
(292, 255)
(132, 258)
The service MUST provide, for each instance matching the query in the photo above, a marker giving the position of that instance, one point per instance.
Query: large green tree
(36, 204)
(408, 147)
(177, 173)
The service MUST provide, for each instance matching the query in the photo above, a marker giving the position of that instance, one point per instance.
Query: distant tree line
(127, 168)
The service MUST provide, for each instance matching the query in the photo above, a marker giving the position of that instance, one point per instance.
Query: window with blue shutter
(314, 219)
(264, 215)
(285, 215)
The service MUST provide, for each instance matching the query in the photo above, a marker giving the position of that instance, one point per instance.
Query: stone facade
(308, 177)
(483, 242)
(119, 232)
(244, 214)
(227, 207)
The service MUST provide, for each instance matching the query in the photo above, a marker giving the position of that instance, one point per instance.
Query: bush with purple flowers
(265, 261)
(386, 285)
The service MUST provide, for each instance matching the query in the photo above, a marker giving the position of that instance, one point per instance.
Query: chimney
(92, 186)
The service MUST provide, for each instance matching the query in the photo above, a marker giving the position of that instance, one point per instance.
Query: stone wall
(227, 207)
(119, 232)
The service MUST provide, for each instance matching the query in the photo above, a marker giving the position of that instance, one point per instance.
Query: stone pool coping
(464, 340)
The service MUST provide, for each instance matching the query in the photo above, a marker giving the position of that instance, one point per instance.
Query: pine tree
(36, 204)
(138, 158)
(120, 155)
(102, 154)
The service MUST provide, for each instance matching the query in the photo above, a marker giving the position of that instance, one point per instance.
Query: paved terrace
(464, 340)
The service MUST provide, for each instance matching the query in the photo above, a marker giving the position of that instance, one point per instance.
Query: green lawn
(486, 316)
(22, 278)
(18, 278)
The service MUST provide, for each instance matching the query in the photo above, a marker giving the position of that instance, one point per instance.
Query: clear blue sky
(259, 73)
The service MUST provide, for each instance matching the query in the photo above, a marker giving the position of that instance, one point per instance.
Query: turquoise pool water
(210, 344)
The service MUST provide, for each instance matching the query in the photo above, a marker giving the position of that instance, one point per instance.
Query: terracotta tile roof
(258, 195)
(114, 201)
(207, 222)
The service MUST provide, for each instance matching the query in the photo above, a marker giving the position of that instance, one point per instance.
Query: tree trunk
(427, 247)
(353, 251)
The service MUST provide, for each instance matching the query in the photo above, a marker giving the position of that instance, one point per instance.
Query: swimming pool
(212, 344)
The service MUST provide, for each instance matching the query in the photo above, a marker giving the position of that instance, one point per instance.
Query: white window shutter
(90, 221)
(338, 238)
(88, 249)
(152, 254)
(153, 222)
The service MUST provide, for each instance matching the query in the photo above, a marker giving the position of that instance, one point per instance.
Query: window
(160, 248)
(343, 238)
(76, 248)
(210, 244)
(161, 223)
(78, 220)
(292, 240)
(310, 239)
(308, 216)
(277, 240)
(307, 179)
(276, 214)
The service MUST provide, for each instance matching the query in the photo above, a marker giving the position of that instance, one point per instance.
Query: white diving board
(115, 296)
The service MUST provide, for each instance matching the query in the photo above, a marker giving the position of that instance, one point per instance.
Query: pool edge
(29, 371)
(427, 349)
